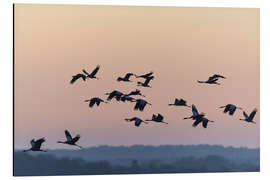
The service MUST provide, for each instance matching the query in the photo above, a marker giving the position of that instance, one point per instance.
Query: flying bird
(230, 108)
(179, 102)
(195, 114)
(92, 75)
(145, 75)
(140, 104)
(70, 140)
(95, 100)
(76, 77)
(249, 118)
(127, 98)
(136, 92)
(213, 79)
(138, 121)
(114, 94)
(36, 145)
(210, 81)
(157, 118)
(126, 78)
(146, 82)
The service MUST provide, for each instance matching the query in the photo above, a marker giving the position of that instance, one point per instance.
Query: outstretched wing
(95, 71)
(204, 123)
(92, 103)
(251, 116)
(194, 110)
(74, 78)
(85, 72)
(196, 122)
(127, 76)
(136, 107)
(147, 75)
(160, 117)
(141, 106)
(215, 76)
(68, 135)
(32, 142)
(245, 114)
(39, 142)
(138, 122)
(74, 140)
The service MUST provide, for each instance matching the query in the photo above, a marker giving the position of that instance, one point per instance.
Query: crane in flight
(126, 78)
(146, 82)
(70, 140)
(114, 94)
(92, 75)
(179, 102)
(230, 108)
(213, 79)
(36, 145)
(249, 118)
(140, 104)
(95, 100)
(137, 120)
(157, 118)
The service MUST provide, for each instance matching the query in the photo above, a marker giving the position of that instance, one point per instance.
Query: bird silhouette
(213, 79)
(230, 108)
(136, 92)
(157, 118)
(145, 75)
(179, 102)
(249, 118)
(36, 145)
(114, 94)
(76, 77)
(92, 75)
(146, 82)
(202, 120)
(195, 114)
(95, 100)
(140, 104)
(127, 98)
(126, 78)
(138, 121)
(70, 140)
(210, 81)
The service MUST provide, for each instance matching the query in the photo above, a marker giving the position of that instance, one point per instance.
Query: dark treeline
(137, 159)
(46, 164)
(121, 155)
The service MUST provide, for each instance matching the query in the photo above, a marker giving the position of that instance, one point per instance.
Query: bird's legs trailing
(78, 146)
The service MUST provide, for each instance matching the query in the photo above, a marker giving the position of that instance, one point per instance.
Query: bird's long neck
(61, 142)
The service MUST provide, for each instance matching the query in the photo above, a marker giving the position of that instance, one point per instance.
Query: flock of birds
(140, 104)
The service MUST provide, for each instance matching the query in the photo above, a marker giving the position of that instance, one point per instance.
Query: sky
(179, 44)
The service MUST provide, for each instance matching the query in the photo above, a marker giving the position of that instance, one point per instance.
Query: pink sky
(181, 46)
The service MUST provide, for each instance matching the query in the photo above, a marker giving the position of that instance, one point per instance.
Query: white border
(6, 83)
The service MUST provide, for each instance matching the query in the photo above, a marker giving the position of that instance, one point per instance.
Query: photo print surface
(135, 90)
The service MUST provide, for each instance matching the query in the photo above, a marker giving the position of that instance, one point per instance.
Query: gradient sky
(181, 46)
